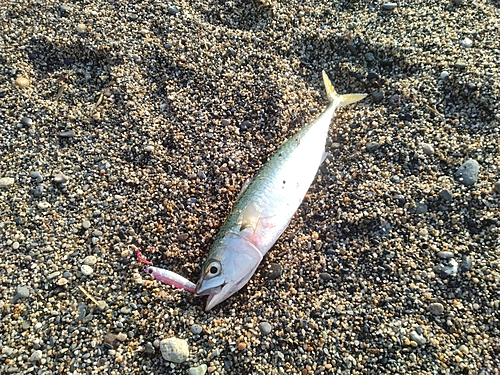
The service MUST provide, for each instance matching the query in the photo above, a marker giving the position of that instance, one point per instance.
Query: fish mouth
(209, 291)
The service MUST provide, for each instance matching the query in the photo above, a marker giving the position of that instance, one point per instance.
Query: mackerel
(267, 205)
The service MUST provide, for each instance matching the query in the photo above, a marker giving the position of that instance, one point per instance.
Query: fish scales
(265, 208)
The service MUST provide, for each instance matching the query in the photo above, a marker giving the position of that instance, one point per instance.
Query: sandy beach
(137, 123)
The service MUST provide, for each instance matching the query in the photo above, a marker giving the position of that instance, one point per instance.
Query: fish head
(229, 267)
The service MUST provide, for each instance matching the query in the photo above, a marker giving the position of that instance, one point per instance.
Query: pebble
(90, 260)
(389, 6)
(468, 172)
(36, 356)
(265, 328)
(81, 28)
(38, 191)
(372, 146)
(86, 269)
(6, 182)
(27, 122)
(466, 42)
(67, 133)
(149, 148)
(85, 224)
(43, 205)
(21, 292)
(446, 195)
(378, 96)
(496, 187)
(444, 75)
(199, 370)
(174, 349)
(428, 149)
(196, 329)
(419, 339)
(325, 276)
(445, 254)
(60, 178)
(273, 271)
(22, 82)
(466, 264)
(436, 308)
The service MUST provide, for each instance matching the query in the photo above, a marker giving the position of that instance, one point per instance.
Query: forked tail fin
(341, 99)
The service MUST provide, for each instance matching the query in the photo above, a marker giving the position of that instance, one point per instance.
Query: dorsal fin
(250, 218)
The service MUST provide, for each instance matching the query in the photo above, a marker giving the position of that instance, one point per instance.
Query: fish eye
(213, 270)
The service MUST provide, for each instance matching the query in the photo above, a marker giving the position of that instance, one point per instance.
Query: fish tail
(342, 100)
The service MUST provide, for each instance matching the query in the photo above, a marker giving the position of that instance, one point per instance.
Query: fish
(265, 208)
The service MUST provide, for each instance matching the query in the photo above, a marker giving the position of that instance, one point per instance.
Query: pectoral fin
(251, 217)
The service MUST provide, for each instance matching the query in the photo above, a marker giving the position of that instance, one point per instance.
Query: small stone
(81, 28)
(245, 125)
(62, 281)
(458, 2)
(36, 356)
(90, 260)
(369, 57)
(452, 268)
(421, 208)
(43, 205)
(27, 122)
(265, 328)
(173, 10)
(242, 346)
(395, 179)
(22, 82)
(466, 264)
(196, 329)
(85, 224)
(444, 75)
(67, 133)
(15, 245)
(174, 350)
(122, 336)
(60, 178)
(466, 42)
(446, 195)
(125, 310)
(496, 187)
(199, 370)
(224, 122)
(273, 271)
(389, 6)
(436, 308)
(372, 146)
(86, 269)
(325, 276)
(378, 96)
(460, 64)
(428, 149)
(419, 339)
(445, 254)
(21, 292)
(468, 172)
(149, 148)
(38, 191)
(6, 182)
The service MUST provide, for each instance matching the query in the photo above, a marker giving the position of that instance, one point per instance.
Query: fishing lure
(163, 275)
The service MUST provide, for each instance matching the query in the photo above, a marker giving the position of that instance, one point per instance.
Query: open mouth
(210, 291)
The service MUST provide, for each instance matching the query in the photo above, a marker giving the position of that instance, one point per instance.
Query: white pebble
(466, 42)
(86, 269)
(174, 350)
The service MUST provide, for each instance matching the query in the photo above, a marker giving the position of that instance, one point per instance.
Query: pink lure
(171, 278)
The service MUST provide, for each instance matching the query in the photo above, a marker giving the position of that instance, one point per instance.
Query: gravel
(145, 119)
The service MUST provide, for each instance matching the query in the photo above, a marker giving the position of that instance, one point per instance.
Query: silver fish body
(266, 207)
